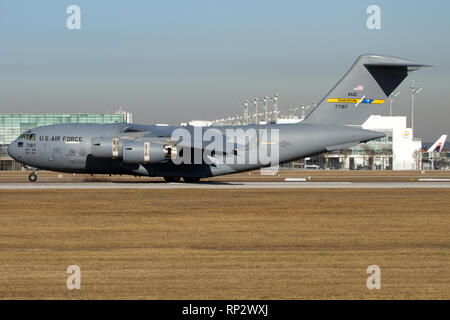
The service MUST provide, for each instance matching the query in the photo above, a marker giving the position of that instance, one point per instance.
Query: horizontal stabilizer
(342, 146)
(362, 90)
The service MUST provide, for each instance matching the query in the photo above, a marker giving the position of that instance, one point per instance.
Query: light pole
(414, 91)
(256, 110)
(391, 100)
(275, 106)
(246, 111)
(265, 107)
(245, 105)
(292, 110)
(304, 110)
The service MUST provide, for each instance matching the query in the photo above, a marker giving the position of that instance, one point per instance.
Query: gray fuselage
(68, 147)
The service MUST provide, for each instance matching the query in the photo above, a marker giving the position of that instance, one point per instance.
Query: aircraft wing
(164, 134)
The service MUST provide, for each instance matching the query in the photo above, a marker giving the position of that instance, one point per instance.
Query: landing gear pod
(147, 152)
(106, 147)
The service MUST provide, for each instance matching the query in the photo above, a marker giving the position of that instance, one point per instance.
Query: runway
(227, 185)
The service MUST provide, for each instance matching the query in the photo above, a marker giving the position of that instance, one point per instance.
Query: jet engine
(132, 151)
(147, 152)
(105, 147)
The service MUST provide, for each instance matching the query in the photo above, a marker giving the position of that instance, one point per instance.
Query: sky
(174, 61)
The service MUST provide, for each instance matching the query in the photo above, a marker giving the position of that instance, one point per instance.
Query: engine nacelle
(131, 151)
(106, 147)
(147, 152)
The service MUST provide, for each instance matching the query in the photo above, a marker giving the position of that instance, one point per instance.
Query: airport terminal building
(398, 150)
(13, 124)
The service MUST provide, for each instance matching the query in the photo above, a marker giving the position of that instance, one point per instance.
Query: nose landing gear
(32, 177)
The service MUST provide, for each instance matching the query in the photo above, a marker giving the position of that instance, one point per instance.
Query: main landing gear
(172, 179)
(32, 177)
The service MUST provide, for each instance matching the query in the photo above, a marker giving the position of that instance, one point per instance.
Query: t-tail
(363, 90)
(439, 144)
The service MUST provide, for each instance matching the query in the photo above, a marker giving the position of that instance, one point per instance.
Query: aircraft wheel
(32, 177)
(191, 179)
(172, 179)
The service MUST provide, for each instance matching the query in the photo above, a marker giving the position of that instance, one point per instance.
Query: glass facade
(374, 155)
(380, 146)
(13, 124)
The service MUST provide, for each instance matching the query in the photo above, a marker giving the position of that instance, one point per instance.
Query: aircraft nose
(12, 150)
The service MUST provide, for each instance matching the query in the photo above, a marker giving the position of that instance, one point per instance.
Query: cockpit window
(25, 135)
(28, 136)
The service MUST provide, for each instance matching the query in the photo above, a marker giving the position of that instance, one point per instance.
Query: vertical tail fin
(439, 144)
(362, 90)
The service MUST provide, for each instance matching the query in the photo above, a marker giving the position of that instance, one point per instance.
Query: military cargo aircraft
(192, 153)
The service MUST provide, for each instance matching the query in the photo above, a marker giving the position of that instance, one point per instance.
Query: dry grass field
(225, 244)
